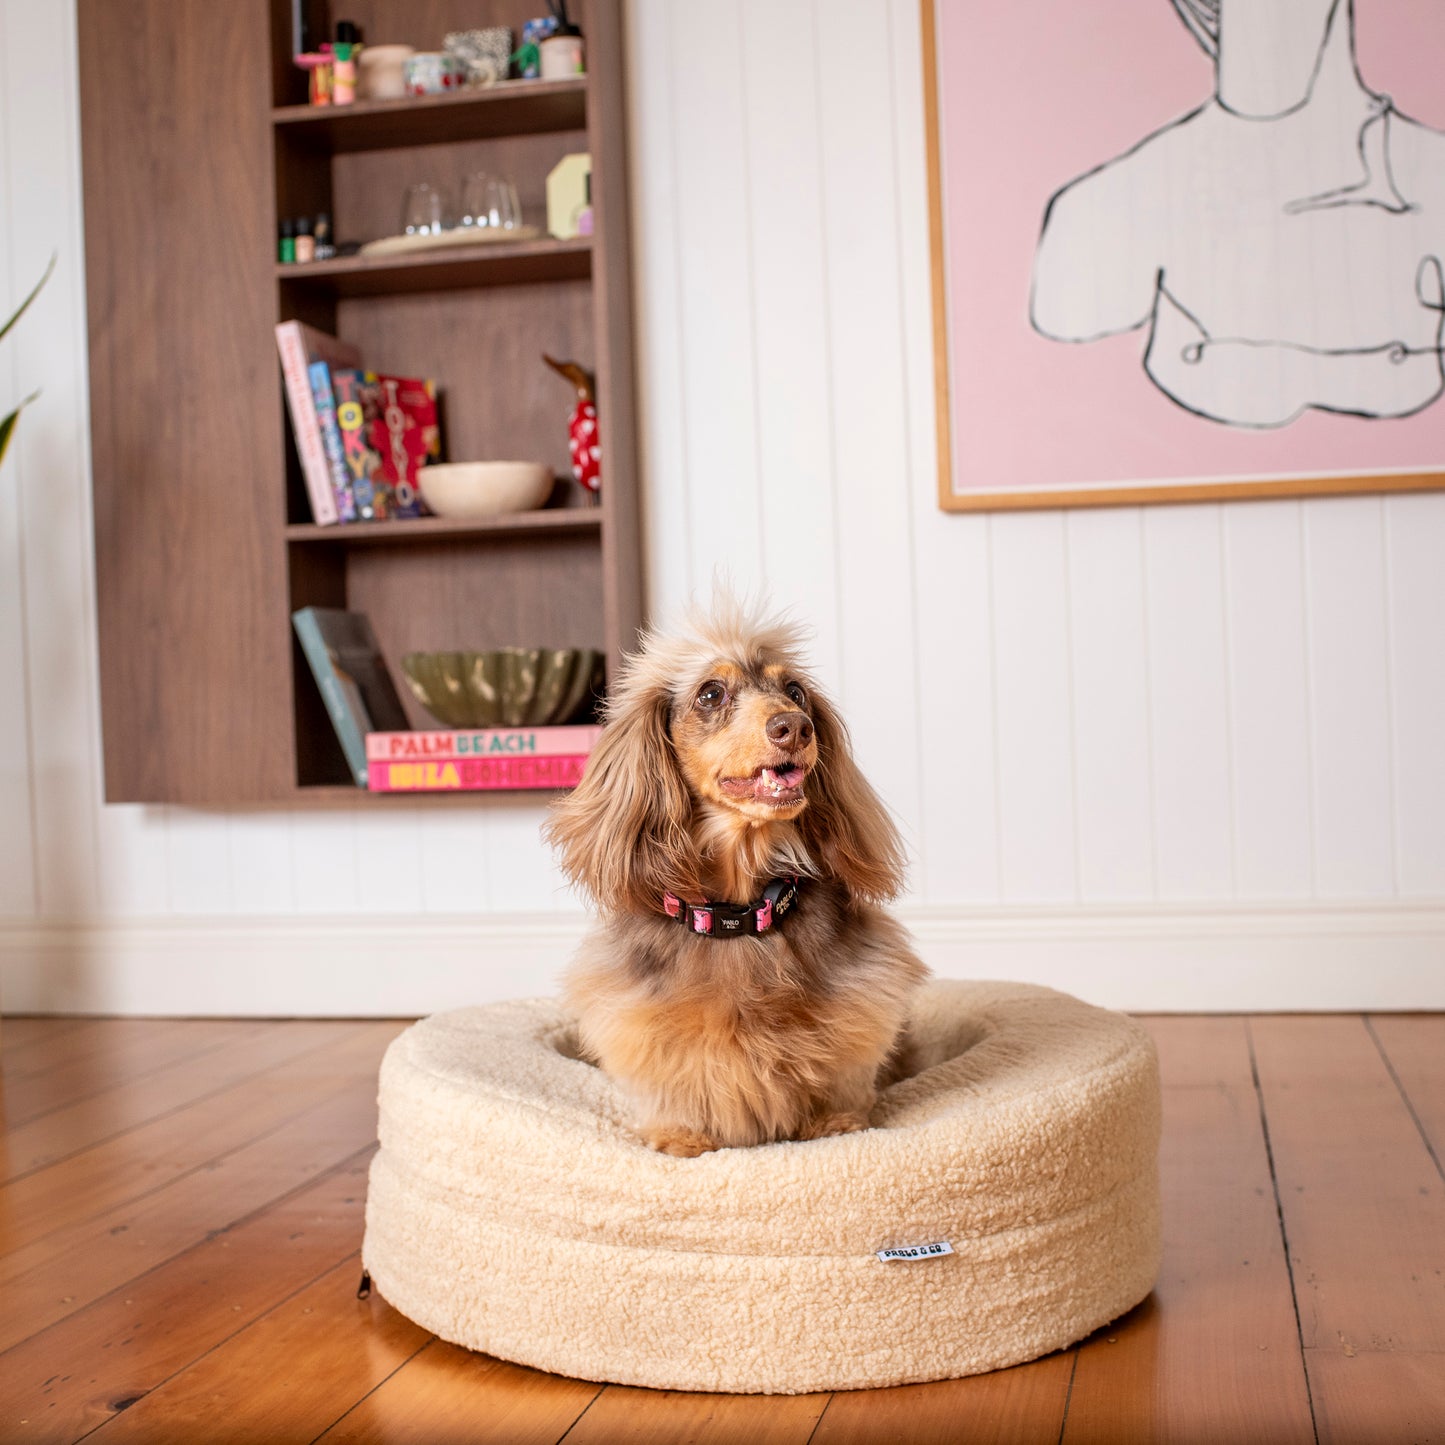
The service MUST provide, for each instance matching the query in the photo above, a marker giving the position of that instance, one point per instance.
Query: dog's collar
(735, 920)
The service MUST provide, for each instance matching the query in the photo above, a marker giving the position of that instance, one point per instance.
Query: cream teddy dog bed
(512, 1210)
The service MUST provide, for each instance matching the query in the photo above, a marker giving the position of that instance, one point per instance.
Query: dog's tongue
(775, 780)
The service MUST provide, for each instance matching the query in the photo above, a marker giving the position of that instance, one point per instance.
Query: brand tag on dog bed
(915, 1251)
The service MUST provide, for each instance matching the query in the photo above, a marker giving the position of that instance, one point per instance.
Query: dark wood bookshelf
(430, 529)
(513, 107)
(205, 544)
(448, 268)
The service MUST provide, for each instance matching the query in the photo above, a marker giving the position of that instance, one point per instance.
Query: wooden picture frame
(1072, 168)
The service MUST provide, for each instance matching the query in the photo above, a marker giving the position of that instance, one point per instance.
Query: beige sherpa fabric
(512, 1210)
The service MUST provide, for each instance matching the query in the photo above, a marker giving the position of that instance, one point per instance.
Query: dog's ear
(623, 833)
(846, 826)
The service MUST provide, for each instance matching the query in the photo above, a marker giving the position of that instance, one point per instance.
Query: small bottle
(286, 251)
(305, 241)
(324, 249)
(343, 62)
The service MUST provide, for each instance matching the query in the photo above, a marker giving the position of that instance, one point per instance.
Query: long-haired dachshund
(744, 985)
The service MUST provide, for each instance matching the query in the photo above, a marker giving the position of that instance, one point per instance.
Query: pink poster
(1189, 248)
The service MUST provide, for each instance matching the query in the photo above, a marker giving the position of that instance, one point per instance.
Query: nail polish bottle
(305, 241)
(286, 250)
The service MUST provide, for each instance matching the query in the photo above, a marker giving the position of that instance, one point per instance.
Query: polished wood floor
(181, 1211)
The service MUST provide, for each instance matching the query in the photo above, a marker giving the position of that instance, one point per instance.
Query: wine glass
(490, 203)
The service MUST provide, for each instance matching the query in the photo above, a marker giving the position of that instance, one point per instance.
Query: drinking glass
(424, 210)
(490, 203)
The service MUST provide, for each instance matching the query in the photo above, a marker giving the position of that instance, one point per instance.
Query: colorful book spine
(450, 775)
(325, 402)
(355, 391)
(314, 467)
(412, 747)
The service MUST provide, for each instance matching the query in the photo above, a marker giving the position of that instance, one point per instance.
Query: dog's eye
(795, 691)
(711, 695)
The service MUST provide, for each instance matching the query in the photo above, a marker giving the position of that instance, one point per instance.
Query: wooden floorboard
(145, 1047)
(98, 1361)
(1023, 1404)
(1414, 1050)
(146, 1159)
(1213, 1354)
(182, 1214)
(134, 1101)
(445, 1395)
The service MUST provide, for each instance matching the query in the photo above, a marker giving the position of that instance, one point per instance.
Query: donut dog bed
(512, 1210)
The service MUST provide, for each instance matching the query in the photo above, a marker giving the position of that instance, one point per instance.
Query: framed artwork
(1186, 249)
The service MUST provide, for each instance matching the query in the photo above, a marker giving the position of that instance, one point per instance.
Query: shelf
(491, 263)
(513, 107)
(548, 521)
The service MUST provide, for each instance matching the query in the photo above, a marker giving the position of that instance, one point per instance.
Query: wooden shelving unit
(204, 538)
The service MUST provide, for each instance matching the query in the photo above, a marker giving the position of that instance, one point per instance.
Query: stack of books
(361, 437)
(385, 755)
(424, 762)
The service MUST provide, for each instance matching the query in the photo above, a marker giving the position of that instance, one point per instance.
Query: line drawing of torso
(1282, 243)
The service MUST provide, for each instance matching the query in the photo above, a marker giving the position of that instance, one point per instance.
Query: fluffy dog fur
(734, 1041)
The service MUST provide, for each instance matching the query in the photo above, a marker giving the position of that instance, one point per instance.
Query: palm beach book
(346, 661)
(448, 775)
(299, 346)
(421, 745)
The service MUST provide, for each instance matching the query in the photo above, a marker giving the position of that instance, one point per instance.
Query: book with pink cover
(419, 746)
(555, 770)
(299, 345)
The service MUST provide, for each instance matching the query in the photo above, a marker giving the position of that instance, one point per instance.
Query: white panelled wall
(1172, 757)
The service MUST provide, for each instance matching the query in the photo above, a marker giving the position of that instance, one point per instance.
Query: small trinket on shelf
(582, 436)
(317, 65)
(343, 62)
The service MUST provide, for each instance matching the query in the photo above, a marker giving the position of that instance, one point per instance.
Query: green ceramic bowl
(513, 687)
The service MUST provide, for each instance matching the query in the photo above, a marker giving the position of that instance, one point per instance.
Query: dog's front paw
(825, 1126)
(681, 1142)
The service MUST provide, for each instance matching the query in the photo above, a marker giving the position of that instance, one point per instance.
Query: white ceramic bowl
(465, 491)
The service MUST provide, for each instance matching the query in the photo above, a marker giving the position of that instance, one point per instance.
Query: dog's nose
(790, 729)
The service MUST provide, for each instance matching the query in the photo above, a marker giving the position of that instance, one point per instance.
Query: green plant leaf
(7, 426)
(24, 305)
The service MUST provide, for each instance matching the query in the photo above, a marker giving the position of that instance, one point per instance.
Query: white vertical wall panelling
(956, 854)
(18, 884)
(453, 860)
(199, 867)
(1111, 705)
(723, 510)
(262, 878)
(134, 874)
(50, 460)
(790, 320)
(1350, 702)
(1269, 699)
(1031, 670)
(1415, 568)
(862, 258)
(389, 857)
(662, 415)
(521, 874)
(1189, 724)
(326, 860)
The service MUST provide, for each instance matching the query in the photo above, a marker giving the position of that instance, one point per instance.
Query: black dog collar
(734, 920)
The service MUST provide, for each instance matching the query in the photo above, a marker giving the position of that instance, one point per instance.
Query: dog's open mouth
(779, 785)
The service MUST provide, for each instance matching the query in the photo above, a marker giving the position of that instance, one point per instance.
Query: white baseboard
(1147, 958)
